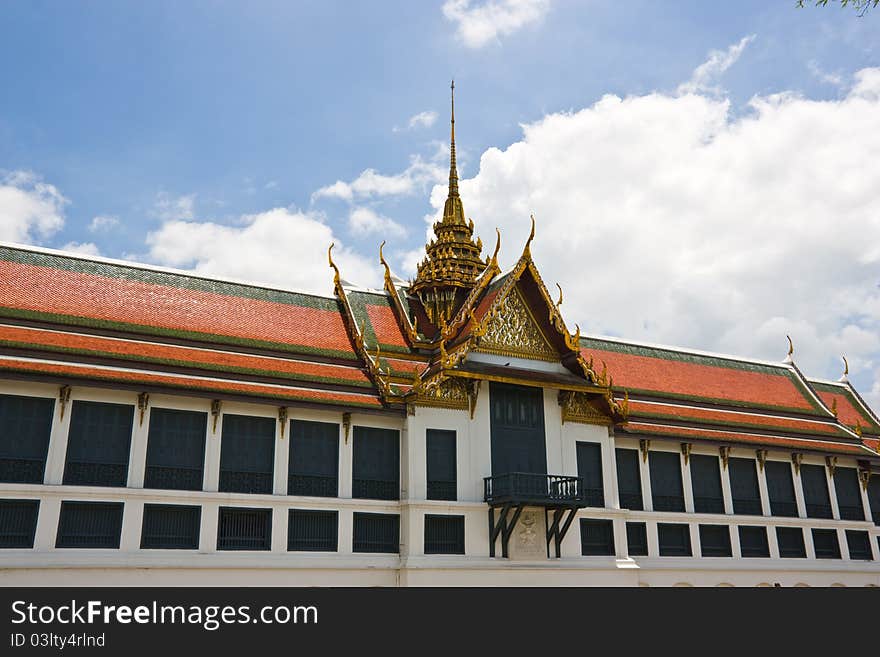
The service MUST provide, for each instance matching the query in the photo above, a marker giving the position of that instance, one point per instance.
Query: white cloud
(170, 208)
(834, 79)
(30, 209)
(479, 24)
(706, 74)
(421, 120)
(278, 247)
(83, 248)
(103, 223)
(690, 226)
(370, 183)
(364, 221)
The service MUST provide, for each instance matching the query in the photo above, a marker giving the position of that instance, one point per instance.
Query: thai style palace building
(159, 427)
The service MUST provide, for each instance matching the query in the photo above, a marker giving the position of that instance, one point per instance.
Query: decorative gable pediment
(511, 330)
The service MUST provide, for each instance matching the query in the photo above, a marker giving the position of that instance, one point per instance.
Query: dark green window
(849, 497)
(442, 480)
(314, 459)
(666, 487)
(629, 480)
(791, 542)
(674, 539)
(244, 529)
(637, 539)
(98, 444)
(25, 425)
(597, 537)
(176, 449)
(780, 488)
(859, 545)
(171, 527)
(744, 486)
(247, 454)
(826, 544)
(376, 466)
(444, 534)
(18, 523)
(376, 532)
(753, 541)
(715, 541)
(816, 491)
(874, 497)
(89, 525)
(589, 463)
(312, 531)
(706, 481)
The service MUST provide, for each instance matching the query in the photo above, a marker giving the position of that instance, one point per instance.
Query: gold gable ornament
(513, 331)
(446, 392)
(577, 407)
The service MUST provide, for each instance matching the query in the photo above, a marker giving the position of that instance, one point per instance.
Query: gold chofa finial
(527, 250)
(790, 346)
(845, 366)
(497, 246)
(333, 264)
(559, 287)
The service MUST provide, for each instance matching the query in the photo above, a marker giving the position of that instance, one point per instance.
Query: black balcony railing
(173, 478)
(539, 489)
(851, 512)
(375, 489)
(785, 509)
(442, 490)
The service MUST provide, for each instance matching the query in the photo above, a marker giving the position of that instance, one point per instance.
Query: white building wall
(45, 564)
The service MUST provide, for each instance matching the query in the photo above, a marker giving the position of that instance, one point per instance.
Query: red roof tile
(77, 297)
(150, 352)
(733, 419)
(640, 428)
(849, 410)
(99, 373)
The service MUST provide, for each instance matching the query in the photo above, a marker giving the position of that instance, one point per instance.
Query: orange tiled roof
(275, 393)
(714, 435)
(734, 419)
(146, 353)
(681, 375)
(850, 409)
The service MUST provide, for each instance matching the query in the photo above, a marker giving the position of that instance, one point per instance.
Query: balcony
(535, 489)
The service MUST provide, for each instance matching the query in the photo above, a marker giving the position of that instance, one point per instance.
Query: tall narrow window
(780, 488)
(589, 462)
(874, 497)
(744, 486)
(89, 525)
(18, 523)
(376, 467)
(314, 459)
(247, 454)
(637, 539)
(849, 497)
(706, 479)
(98, 444)
(441, 466)
(25, 424)
(629, 480)
(666, 487)
(176, 449)
(816, 491)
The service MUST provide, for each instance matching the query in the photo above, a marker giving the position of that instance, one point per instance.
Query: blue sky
(179, 124)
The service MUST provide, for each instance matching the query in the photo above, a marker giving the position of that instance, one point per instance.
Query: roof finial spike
(845, 377)
(527, 251)
(333, 264)
(788, 358)
(497, 247)
(453, 169)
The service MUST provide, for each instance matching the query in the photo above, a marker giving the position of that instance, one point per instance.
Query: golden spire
(453, 211)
